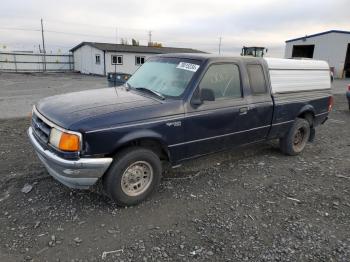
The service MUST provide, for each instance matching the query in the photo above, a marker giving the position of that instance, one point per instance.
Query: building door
(306, 51)
(347, 62)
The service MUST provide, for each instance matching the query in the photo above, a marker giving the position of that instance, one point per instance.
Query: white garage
(332, 46)
(101, 58)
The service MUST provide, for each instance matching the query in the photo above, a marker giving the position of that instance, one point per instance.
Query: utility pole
(149, 37)
(220, 45)
(115, 64)
(43, 39)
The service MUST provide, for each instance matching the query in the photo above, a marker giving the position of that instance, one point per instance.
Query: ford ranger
(174, 108)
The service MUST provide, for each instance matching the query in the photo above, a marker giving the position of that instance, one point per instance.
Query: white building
(332, 46)
(101, 58)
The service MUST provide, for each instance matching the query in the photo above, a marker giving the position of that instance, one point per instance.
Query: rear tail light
(330, 103)
(349, 88)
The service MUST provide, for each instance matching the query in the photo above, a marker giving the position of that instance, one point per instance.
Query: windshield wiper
(127, 86)
(144, 89)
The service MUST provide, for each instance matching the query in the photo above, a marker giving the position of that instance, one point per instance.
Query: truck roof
(205, 56)
(273, 63)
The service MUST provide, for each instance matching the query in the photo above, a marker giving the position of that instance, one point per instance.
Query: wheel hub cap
(137, 178)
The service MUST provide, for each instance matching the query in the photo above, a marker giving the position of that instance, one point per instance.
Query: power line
(78, 34)
(19, 29)
(93, 25)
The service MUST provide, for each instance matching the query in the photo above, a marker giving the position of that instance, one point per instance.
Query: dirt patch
(251, 204)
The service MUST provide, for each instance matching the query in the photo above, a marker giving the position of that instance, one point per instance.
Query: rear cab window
(257, 79)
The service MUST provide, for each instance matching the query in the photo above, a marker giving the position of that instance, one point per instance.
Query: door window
(224, 80)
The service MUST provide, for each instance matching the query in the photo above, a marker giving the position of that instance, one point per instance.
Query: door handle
(243, 110)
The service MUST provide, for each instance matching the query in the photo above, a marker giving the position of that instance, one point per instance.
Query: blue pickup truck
(175, 108)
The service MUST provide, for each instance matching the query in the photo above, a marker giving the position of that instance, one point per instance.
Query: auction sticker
(188, 66)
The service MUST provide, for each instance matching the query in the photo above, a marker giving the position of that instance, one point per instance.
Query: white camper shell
(290, 75)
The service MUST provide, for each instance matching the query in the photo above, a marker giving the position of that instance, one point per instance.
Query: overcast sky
(181, 23)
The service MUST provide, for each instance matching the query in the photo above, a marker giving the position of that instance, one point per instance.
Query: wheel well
(309, 116)
(152, 144)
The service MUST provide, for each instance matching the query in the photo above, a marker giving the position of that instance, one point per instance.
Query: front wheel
(134, 174)
(295, 140)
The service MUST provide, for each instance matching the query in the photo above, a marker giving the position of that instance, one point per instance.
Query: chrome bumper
(80, 174)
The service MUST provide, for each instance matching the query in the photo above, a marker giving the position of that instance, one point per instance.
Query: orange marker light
(69, 142)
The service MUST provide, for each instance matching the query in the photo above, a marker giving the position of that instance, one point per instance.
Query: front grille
(40, 128)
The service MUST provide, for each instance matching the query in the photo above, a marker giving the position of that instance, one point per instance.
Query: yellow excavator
(254, 51)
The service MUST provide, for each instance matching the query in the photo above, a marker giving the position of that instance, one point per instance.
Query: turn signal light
(64, 141)
(69, 142)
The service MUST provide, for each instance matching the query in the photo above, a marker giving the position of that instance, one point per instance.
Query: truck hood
(65, 110)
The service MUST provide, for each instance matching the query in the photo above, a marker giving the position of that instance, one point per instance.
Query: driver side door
(215, 125)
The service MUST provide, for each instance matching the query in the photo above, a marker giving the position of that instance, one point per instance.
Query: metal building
(332, 46)
(101, 58)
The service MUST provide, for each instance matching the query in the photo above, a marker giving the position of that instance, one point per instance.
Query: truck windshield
(166, 76)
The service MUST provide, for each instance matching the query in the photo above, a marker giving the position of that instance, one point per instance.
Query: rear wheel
(295, 140)
(134, 174)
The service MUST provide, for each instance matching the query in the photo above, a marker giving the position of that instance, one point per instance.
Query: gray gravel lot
(18, 92)
(247, 204)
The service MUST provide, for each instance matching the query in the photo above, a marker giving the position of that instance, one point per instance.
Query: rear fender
(307, 109)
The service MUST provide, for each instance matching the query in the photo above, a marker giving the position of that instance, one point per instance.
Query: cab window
(224, 80)
(256, 79)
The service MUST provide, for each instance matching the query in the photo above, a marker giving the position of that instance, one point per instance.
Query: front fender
(140, 134)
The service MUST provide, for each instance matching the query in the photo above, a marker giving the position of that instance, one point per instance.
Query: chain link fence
(35, 62)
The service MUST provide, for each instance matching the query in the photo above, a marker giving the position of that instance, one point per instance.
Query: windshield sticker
(188, 66)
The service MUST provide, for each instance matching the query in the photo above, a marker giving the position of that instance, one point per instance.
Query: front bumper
(80, 174)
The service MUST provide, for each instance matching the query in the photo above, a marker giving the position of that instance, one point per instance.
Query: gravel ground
(248, 204)
(18, 92)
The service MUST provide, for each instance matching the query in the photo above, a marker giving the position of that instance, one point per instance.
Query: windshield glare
(167, 76)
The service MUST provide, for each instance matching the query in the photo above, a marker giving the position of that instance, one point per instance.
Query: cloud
(197, 23)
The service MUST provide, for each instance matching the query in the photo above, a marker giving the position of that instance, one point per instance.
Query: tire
(133, 176)
(293, 143)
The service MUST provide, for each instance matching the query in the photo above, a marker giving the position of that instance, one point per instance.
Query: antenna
(220, 45)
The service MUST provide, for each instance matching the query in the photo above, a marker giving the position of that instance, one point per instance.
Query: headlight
(64, 141)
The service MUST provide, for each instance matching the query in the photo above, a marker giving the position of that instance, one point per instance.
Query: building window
(97, 59)
(139, 60)
(117, 59)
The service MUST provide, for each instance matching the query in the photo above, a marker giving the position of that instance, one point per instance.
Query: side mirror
(207, 94)
(202, 95)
